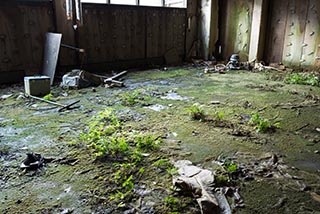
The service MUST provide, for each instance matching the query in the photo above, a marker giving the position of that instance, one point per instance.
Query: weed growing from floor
(196, 113)
(263, 125)
(303, 79)
(109, 141)
(218, 115)
(48, 97)
(136, 97)
(225, 175)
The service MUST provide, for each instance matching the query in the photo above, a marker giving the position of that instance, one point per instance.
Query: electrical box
(37, 85)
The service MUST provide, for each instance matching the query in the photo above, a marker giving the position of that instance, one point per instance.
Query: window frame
(137, 3)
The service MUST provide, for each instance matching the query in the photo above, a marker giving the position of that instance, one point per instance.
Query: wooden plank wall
(236, 27)
(161, 36)
(110, 33)
(294, 28)
(22, 35)
(114, 32)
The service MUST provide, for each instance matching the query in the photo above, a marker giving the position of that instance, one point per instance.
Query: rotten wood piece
(64, 107)
(112, 82)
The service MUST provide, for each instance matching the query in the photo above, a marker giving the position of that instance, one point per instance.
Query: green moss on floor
(77, 181)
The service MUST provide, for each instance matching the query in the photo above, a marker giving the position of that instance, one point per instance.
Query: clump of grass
(172, 203)
(226, 174)
(48, 97)
(262, 124)
(196, 113)
(107, 138)
(136, 97)
(303, 79)
(147, 142)
(218, 115)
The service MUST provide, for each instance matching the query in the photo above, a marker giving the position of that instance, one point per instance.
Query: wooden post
(258, 28)
(65, 26)
(208, 26)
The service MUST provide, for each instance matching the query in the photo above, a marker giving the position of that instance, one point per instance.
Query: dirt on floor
(254, 132)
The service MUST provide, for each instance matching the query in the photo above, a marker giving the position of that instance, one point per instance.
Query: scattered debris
(82, 79)
(156, 107)
(32, 162)
(302, 127)
(79, 79)
(234, 63)
(6, 96)
(201, 184)
(63, 107)
(174, 96)
(37, 85)
(111, 82)
(315, 196)
(215, 102)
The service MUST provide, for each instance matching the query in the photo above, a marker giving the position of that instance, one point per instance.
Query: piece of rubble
(200, 183)
(32, 162)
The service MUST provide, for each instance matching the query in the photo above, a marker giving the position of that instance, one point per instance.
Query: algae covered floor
(247, 118)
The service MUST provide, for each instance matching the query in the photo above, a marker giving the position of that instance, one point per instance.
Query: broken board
(51, 53)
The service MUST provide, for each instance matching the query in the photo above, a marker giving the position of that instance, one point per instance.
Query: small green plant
(135, 97)
(218, 115)
(48, 97)
(230, 167)
(147, 142)
(303, 79)
(196, 113)
(262, 124)
(172, 170)
(162, 163)
(128, 184)
(172, 203)
(221, 180)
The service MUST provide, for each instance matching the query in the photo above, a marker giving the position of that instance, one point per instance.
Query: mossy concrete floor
(68, 184)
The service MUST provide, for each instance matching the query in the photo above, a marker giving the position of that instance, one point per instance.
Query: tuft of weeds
(107, 138)
(218, 115)
(303, 79)
(48, 97)
(263, 125)
(196, 113)
(172, 203)
(226, 174)
(147, 142)
(136, 97)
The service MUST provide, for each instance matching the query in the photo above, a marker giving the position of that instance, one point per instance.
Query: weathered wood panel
(114, 32)
(22, 35)
(311, 44)
(166, 29)
(276, 31)
(294, 32)
(295, 29)
(192, 26)
(236, 28)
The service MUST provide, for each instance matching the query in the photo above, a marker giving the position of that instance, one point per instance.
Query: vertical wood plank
(237, 24)
(294, 35)
(276, 31)
(312, 35)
